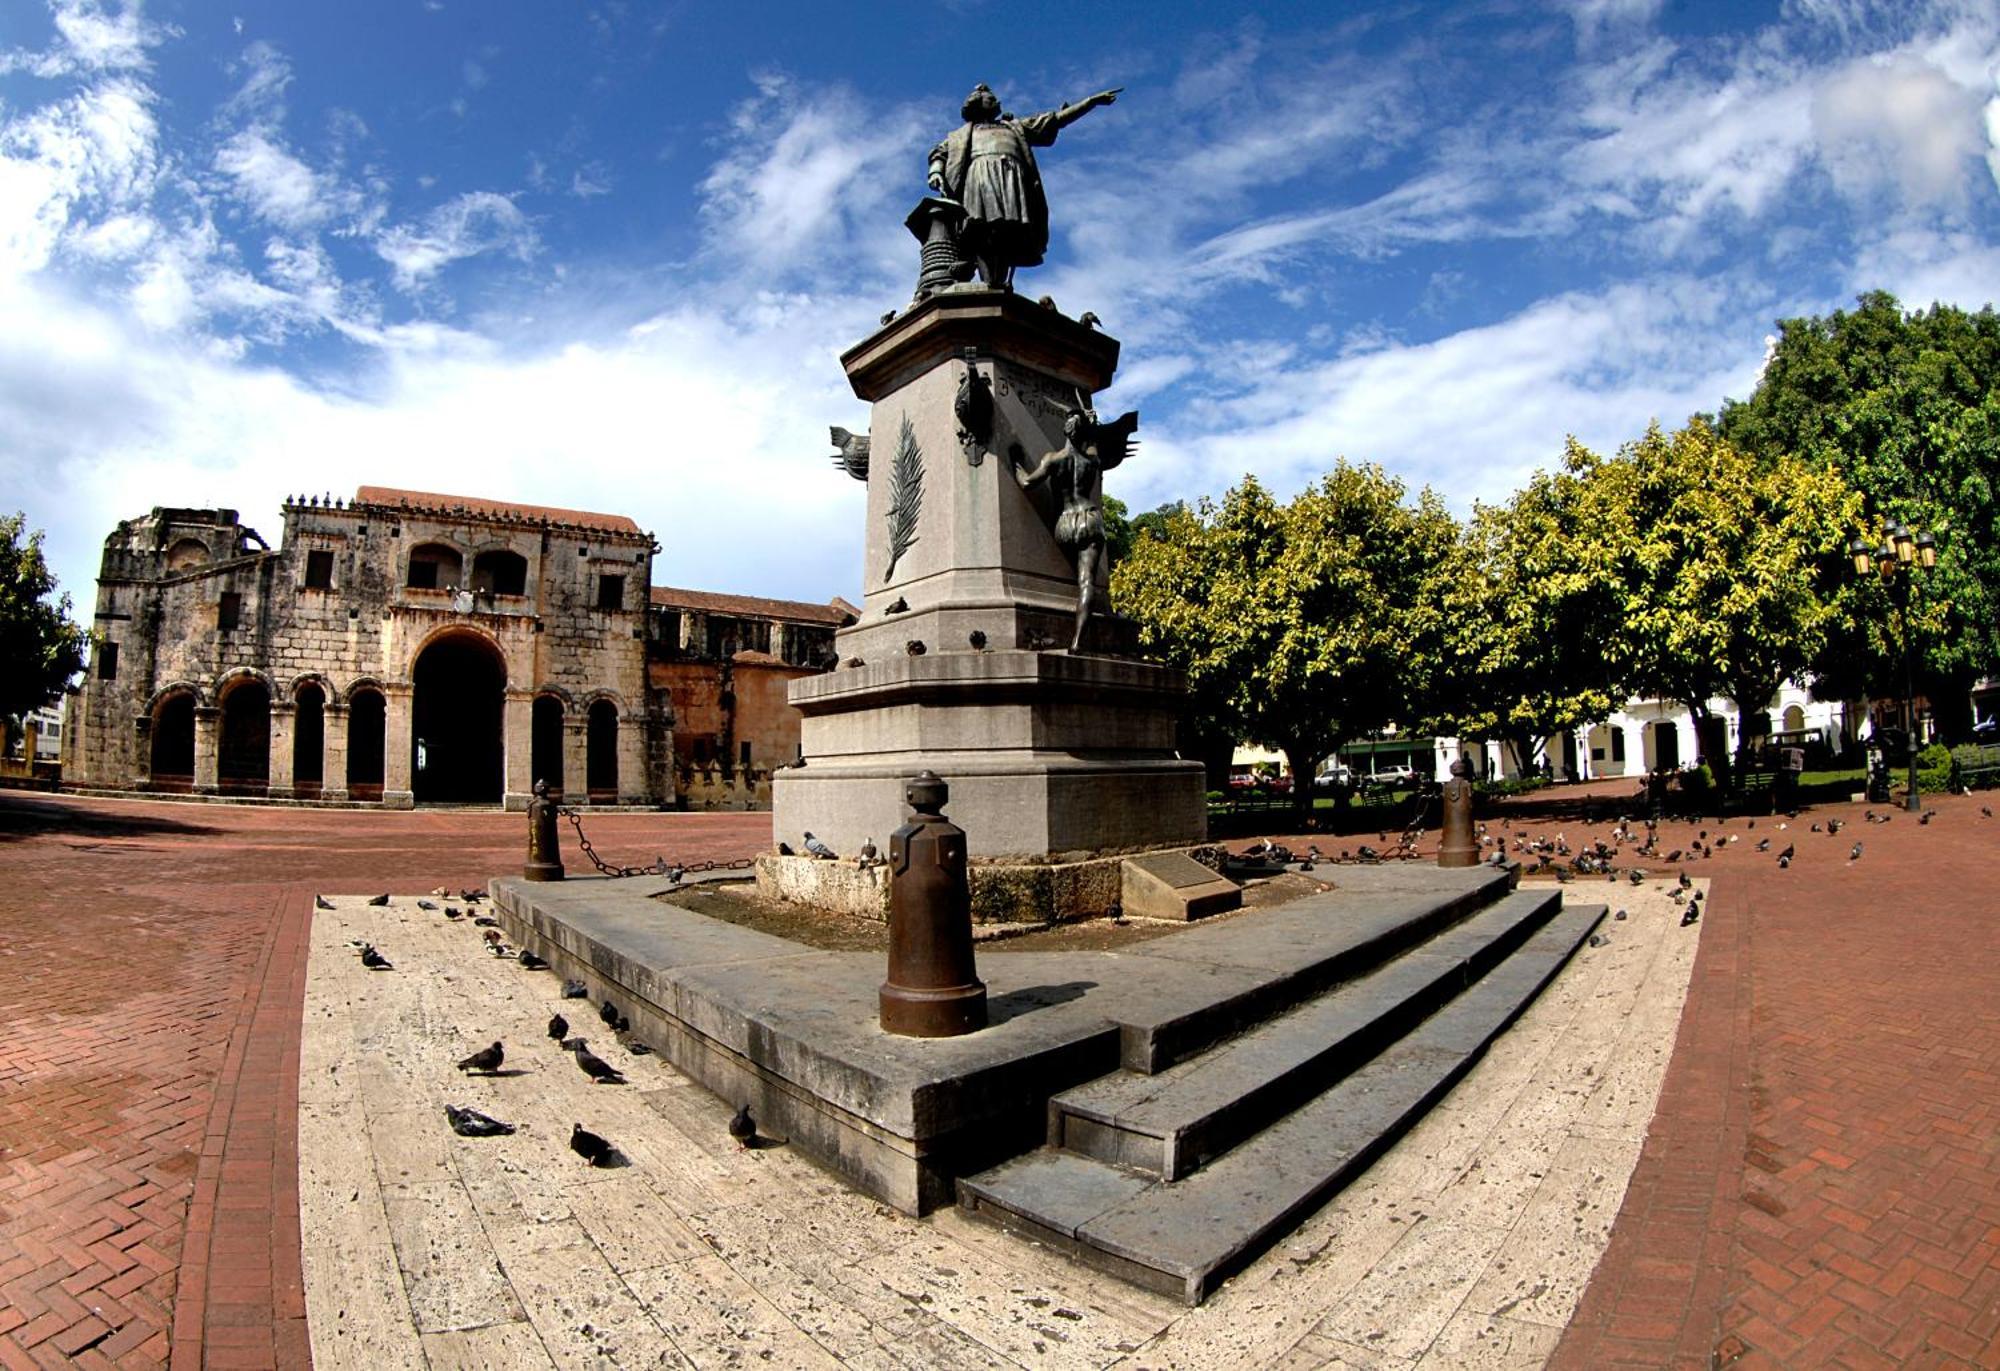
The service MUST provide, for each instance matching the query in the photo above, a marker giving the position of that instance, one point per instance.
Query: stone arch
(1795, 718)
(316, 679)
(360, 684)
(457, 718)
(185, 554)
(499, 570)
(367, 737)
(172, 736)
(243, 737)
(310, 694)
(601, 749)
(154, 700)
(545, 738)
(434, 564)
(238, 676)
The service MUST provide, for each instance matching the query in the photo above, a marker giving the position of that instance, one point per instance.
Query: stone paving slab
(701, 1252)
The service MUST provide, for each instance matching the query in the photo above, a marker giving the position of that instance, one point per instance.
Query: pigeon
(492, 936)
(531, 961)
(1834, 825)
(374, 960)
(743, 1128)
(470, 1123)
(1987, 810)
(589, 1146)
(485, 921)
(785, 850)
(1598, 940)
(1685, 882)
(1088, 319)
(1854, 853)
(487, 1059)
(1763, 844)
(853, 662)
(472, 896)
(574, 990)
(322, 902)
(1815, 828)
(868, 853)
(608, 1012)
(427, 906)
(1619, 916)
(1638, 876)
(637, 1048)
(596, 1067)
(818, 849)
(915, 647)
(558, 1027)
(1925, 817)
(897, 606)
(378, 900)
(453, 912)
(1693, 915)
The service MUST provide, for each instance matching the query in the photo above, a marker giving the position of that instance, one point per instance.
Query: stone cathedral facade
(400, 647)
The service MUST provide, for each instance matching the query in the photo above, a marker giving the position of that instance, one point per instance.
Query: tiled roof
(428, 502)
(836, 611)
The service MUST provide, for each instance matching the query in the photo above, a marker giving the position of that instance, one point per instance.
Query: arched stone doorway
(243, 751)
(456, 731)
(546, 759)
(366, 732)
(172, 765)
(601, 763)
(309, 741)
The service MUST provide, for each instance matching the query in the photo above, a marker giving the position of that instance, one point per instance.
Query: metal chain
(660, 866)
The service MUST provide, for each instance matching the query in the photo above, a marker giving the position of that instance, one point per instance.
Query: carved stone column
(632, 759)
(398, 719)
(142, 751)
(333, 742)
(517, 731)
(284, 717)
(576, 757)
(207, 725)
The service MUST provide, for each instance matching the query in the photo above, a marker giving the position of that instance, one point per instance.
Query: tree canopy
(40, 649)
(1300, 625)
(1906, 407)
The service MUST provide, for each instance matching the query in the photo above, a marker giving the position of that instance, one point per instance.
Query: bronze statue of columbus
(987, 165)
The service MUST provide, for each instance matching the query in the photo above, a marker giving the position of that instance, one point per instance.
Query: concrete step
(1184, 1237)
(1297, 952)
(1169, 1123)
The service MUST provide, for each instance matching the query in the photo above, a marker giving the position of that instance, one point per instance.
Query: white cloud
(94, 151)
(277, 186)
(807, 177)
(467, 225)
(1898, 121)
(91, 39)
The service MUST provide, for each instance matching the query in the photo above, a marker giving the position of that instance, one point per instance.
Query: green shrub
(1697, 780)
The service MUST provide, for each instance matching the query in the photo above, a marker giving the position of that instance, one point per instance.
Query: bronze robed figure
(987, 167)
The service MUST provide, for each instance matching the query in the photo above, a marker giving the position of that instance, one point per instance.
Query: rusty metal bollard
(544, 853)
(1459, 847)
(931, 991)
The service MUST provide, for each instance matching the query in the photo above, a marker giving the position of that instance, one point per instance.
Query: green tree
(1300, 625)
(40, 649)
(1907, 408)
(1728, 569)
(1530, 614)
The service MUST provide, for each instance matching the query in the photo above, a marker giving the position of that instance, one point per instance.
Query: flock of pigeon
(468, 1122)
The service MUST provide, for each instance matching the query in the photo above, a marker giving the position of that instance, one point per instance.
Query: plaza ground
(1820, 1184)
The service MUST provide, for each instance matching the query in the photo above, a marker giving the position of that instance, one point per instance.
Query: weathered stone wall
(161, 602)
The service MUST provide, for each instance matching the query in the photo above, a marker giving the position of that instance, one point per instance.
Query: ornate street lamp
(1907, 551)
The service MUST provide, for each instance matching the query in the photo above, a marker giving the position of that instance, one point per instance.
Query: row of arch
(457, 734)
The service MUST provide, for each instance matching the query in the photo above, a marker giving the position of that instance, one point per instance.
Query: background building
(723, 661)
(403, 647)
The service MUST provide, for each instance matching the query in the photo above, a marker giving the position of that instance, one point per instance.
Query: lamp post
(1897, 561)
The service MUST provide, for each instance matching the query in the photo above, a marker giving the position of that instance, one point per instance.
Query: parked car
(1390, 778)
(1336, 777)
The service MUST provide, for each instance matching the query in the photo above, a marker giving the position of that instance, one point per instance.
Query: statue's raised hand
(1107, 97)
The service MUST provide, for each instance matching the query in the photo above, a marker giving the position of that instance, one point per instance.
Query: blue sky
(605, 255)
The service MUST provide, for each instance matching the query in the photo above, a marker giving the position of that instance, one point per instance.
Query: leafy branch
(906, 497)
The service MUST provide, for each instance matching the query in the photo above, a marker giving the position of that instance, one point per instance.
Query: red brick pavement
(152, 965)
(1821, 1185)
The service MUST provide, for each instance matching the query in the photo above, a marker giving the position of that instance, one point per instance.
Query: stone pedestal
(960, 669)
